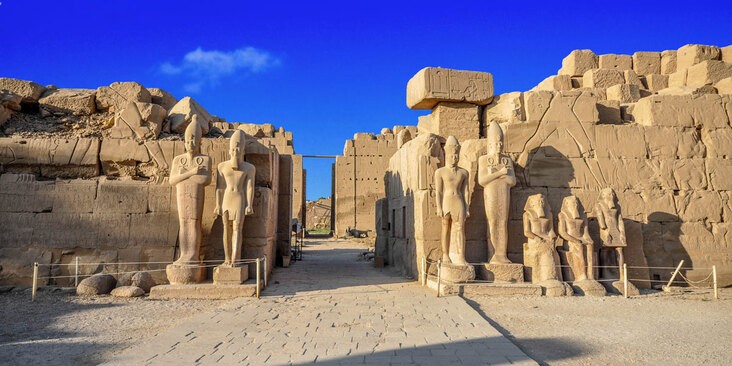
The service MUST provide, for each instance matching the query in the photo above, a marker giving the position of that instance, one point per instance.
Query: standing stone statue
(190, 173)
(496, 175)
(612, 238)
(452, 191)
(234, 201)
(540, 255)
(573, 229)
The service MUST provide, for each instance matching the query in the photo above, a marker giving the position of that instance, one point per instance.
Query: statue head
(494, 136)
(452, 151)
(607, 195)
(536, 204)
(403, 137)
(571, 207)
(237, 145)
(192, 136)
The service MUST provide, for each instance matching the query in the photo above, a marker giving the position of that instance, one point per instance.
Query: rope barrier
(130, 263)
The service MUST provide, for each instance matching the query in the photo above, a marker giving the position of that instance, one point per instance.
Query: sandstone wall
(359, 178)
(610, 121)
(84, 173)
(318, 214)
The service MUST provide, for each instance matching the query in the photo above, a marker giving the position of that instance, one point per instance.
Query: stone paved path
(333, 309)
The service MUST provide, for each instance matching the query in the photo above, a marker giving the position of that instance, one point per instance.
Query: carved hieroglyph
(432, 85)
(190, 173)
(496, 175)
(452, 191)
(234, 196)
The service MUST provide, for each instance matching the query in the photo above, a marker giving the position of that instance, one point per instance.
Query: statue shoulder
(245, 166)
(506, 160)
(482, 160)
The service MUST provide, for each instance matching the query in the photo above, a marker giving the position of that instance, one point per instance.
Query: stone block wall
(604, 121)
(359, 178)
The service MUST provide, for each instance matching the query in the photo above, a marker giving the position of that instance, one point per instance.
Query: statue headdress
(494, 133)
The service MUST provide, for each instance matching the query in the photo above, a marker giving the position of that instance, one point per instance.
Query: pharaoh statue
(190, 173)
(572, 227)
(612, 237)
(496, 175)
(403, 137)
(452, 191)
(540, 254)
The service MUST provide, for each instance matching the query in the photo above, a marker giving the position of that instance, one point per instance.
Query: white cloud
(208, 67)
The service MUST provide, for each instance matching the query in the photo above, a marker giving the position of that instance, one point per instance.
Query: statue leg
(238, 240)
(197, 233)
(576, 259)
(227, 238)
(590, 261)
(186, 240)
(445, 240)
(458, 243)
(621, 261)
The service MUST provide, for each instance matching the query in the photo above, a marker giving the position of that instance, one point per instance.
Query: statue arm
(485, 178)
(250, 192)
(176, 176)
(562, 227)
(438, 192)
(511, 177)
(552, 234)
(467, 193)
(527, 226)
(600, 218)
(621, 225)
(220, 187)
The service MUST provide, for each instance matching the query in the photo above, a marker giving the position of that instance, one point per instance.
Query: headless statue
(234, 196)
(496, 175)
(612, 229)
(573, 229)
(190, 173)
(539, 230)
(451, 185)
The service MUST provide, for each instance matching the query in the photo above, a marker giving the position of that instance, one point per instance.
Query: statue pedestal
(501, 273)
(555, 288)
(588, 288)
(185, 274)
(457, 273)
(224, 275)
(616, 287)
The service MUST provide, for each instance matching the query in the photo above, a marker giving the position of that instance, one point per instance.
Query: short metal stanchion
(35, 281)
(76, 272)
(676, 272)
(439, 276)
(265, 271)
(258, 270)
(625, 280)
(714, 280)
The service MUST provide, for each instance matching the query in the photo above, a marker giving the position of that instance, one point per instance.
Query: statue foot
(446, 259)
(500, 260)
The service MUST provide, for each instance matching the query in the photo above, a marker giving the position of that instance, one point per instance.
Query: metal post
(678, 268)
(265, 271)
(258, 269)
(439, 276)
(76, 272)
(35, 281)
(625, 280)
(714, 279)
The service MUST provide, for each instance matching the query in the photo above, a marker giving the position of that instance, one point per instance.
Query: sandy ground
(63, 329)
(653, 329)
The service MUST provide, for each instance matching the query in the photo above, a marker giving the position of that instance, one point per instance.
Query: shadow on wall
(663, 247)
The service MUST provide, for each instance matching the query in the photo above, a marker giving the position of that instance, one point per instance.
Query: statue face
(451, 158)
(191, 144)
(495, 147)
(538, 206)
(608, 195)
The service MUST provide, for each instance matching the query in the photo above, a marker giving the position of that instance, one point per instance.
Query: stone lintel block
(616, 62)
(555, 83)
(578, 62)
(456, 119)
(432, 85)
(645, 63)
(497, 272)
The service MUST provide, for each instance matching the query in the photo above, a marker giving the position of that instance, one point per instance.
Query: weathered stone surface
(143, 280)
(677, 79)
(681, 111)
(689, 174)
(162, 98)
(699, 206)
(117, 95)
(230, 275)
(718, 142)
(10, 101)
(555, 83)
(457, 273)
(505, 108)
(720, 173)
(127, 291)
(724, 86)
(78, 102)
(203, 291)
(624, 93)
(578, 62)
(656, 82)
(28, 90)
(616, 62)
(692, 54)
(602, 78)
(619, 141)
(632, 78)
(5, 114)
(182, 114)
(433, 85)
(668, 62)
(708, 73)
(726, 54)
(98, 284)
(646, 63)
(499, 272)
(588, 288)
(138, 120)
(536, 104)
(184, 274)
(62, 158)
(455, 119)
(609, 111)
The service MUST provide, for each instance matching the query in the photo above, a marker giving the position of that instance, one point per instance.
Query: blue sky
(326, 70)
